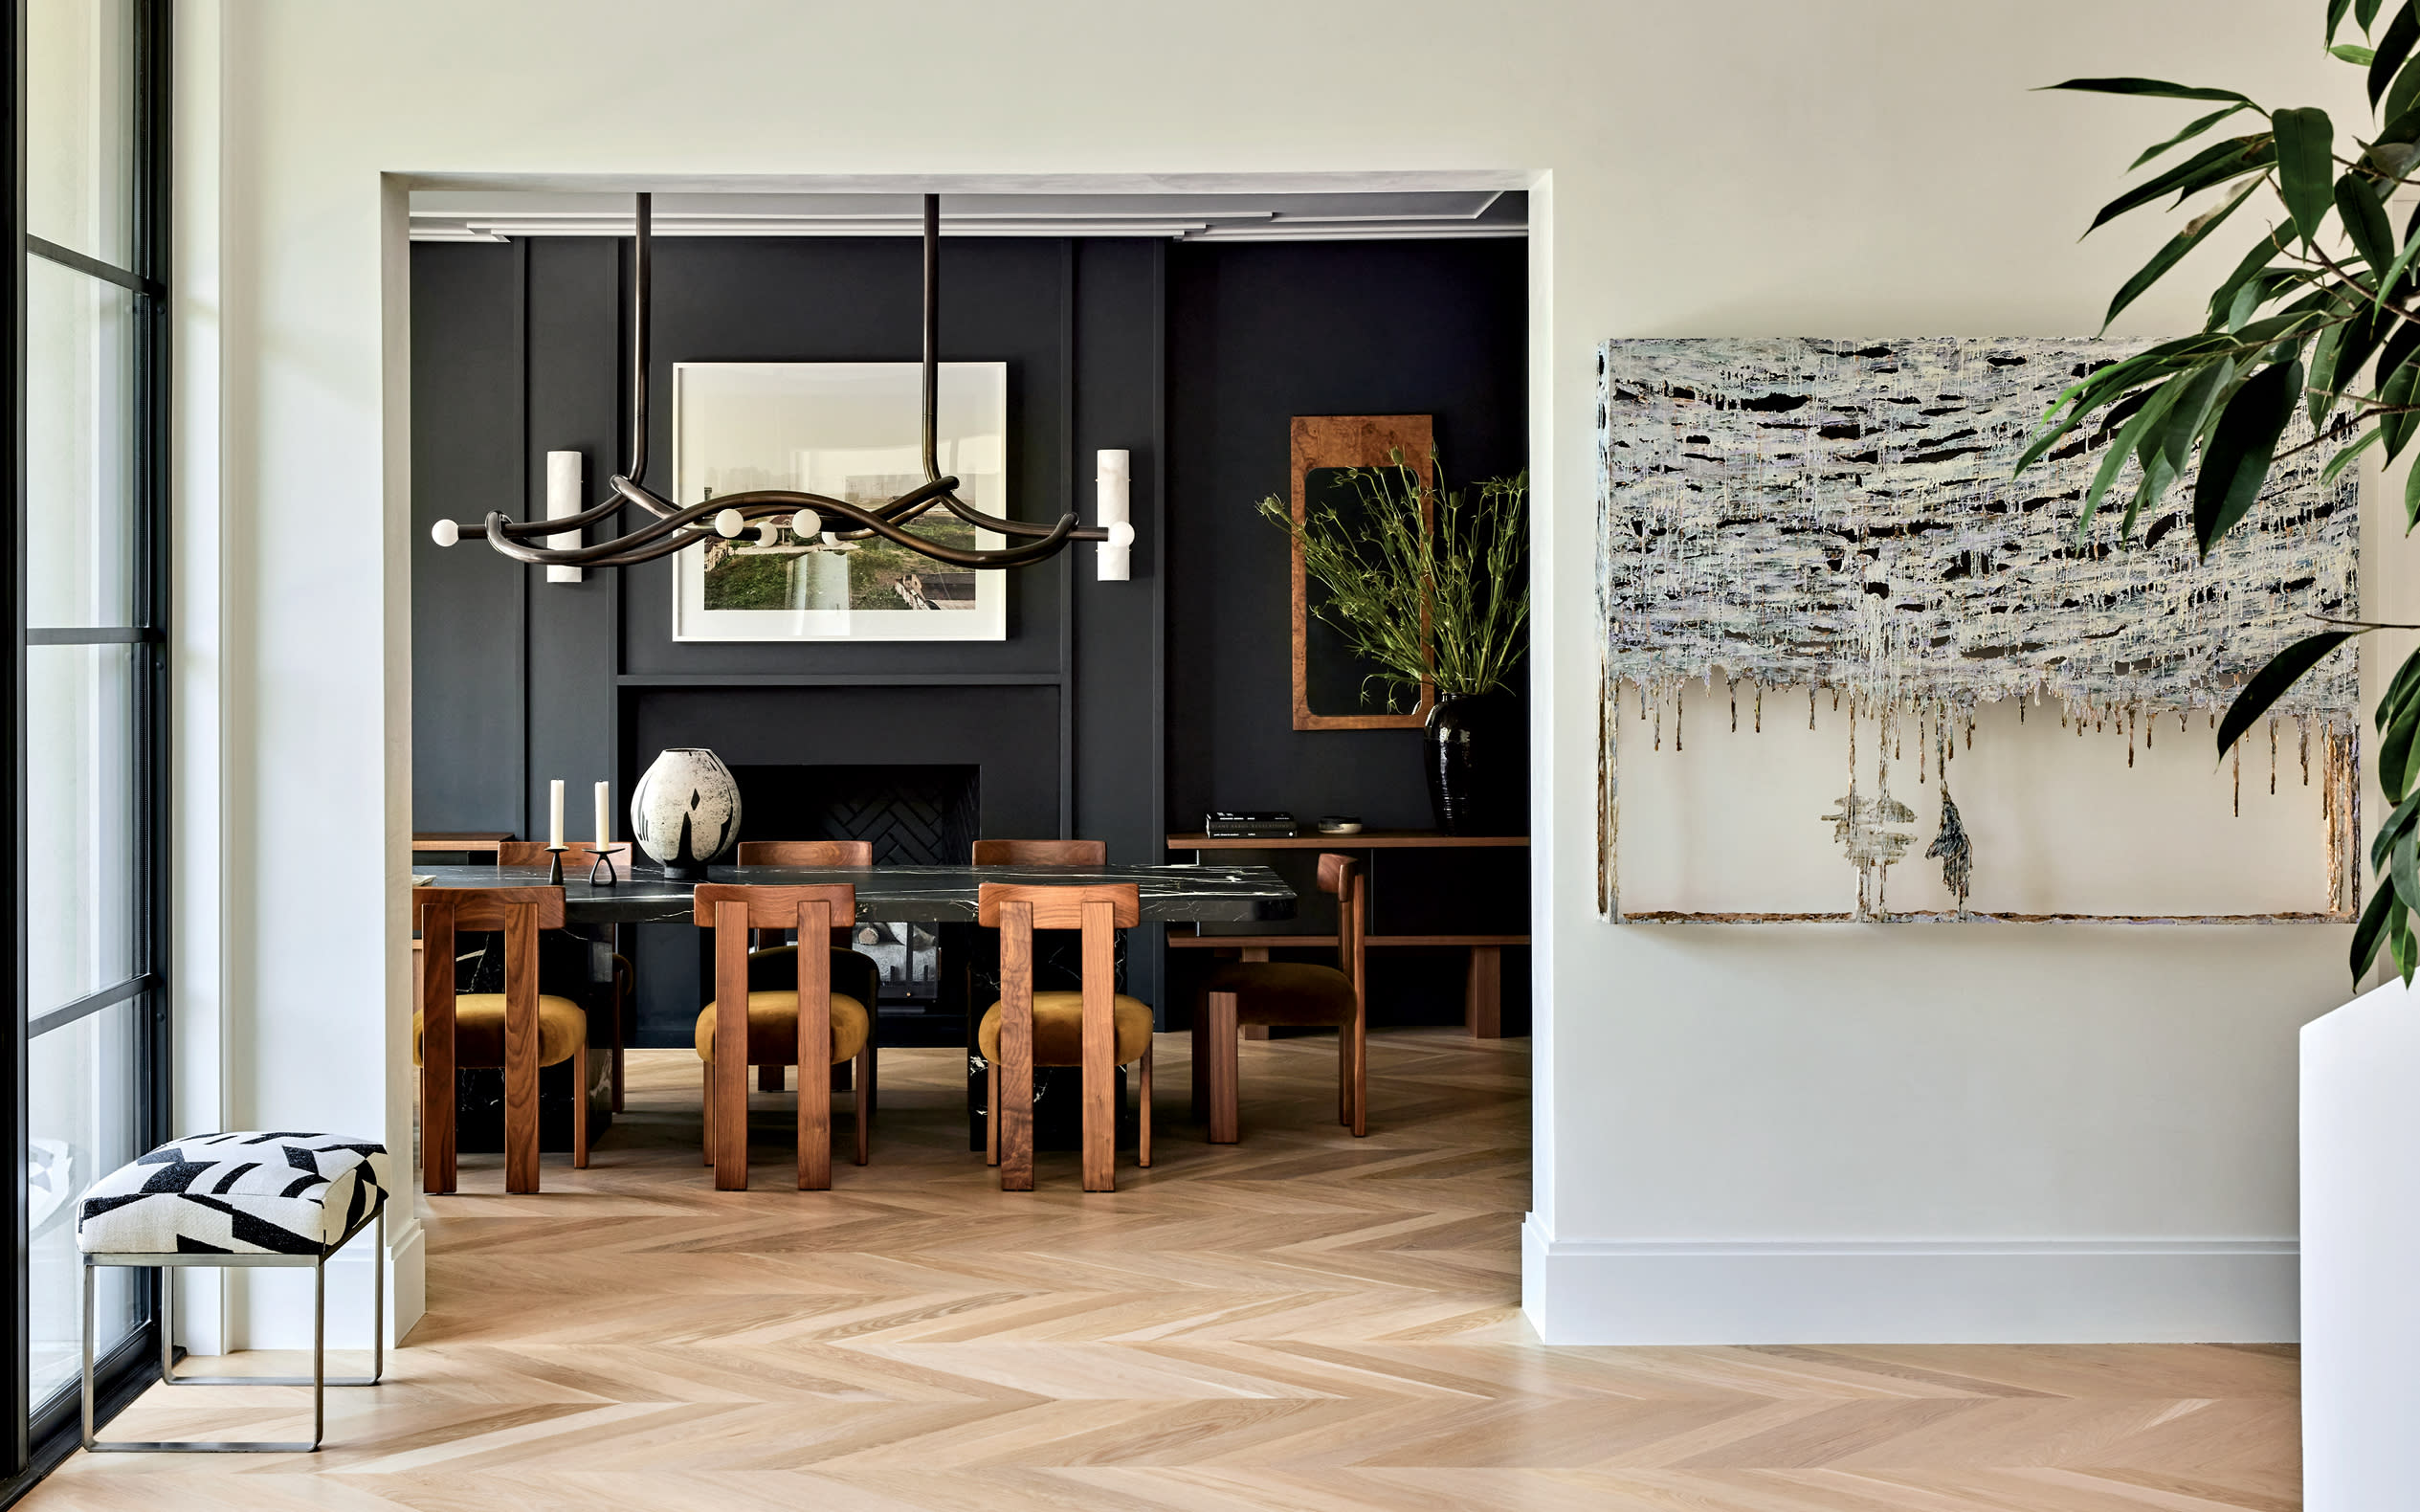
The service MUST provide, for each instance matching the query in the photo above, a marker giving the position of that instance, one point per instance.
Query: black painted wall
(1113, 710)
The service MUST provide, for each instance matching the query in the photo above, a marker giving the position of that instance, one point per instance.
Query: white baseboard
(271, 1308)
(2061, 1291)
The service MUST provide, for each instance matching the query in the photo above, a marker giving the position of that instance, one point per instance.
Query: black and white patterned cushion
(244, 1194)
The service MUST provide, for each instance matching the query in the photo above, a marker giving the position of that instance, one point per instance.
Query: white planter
(2361, 1255)
(686, 811)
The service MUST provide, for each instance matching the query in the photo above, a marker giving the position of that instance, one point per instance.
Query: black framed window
(87, 706)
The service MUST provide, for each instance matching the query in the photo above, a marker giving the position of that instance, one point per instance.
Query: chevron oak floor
(1300, 1321)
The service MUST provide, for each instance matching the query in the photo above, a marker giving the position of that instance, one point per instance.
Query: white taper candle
(604, 809)
(554, 814)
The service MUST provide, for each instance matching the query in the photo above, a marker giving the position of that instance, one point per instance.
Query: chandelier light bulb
(805, 525)
(730, 524)
(445, 532)
(1121, 536)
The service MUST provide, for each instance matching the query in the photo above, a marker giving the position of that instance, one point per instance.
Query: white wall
(1765, 1134)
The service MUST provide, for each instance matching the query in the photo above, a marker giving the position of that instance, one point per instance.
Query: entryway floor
(1301, 1321)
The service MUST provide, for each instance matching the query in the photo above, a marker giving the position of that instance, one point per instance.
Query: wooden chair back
(1049, 908)
(517, 913)
(732, 910)
(806, 852)
(1041, 853)
(581, 854)
(1342, 874)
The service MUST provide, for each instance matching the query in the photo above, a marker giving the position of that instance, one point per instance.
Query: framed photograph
(848, 431)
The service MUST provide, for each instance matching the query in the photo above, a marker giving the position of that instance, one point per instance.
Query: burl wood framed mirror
(1327, 675)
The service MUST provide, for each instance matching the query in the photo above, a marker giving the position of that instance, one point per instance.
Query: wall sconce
(562, 497)
(1110, 478)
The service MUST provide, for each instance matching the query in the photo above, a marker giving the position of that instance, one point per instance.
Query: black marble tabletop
(1202, 894)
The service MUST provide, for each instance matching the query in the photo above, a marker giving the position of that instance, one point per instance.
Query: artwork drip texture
(1791, 513)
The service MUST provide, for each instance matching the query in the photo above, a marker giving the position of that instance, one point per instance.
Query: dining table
(945, 897)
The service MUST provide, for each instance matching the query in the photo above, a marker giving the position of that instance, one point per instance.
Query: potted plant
(1427, 587)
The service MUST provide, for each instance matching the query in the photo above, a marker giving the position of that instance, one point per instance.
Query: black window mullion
(90, 266)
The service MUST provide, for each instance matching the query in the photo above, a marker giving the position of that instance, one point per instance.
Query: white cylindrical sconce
(1110, 478)
(562, 497)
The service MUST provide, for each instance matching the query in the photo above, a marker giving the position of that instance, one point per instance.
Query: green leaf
(2191, 236)
(2404, 866)
(2269, 683)
(2393, 47)
(2254, 263)
(2394, 752)
(2364, 11)
(2400, 948)
(2397, 823)
(2159, 87)
(2235, 461)
(2215, 163)
(2393, 275)
(2307, 166)
(2337, 463)
(2350, 54)
(2320, 394)
(2335, 10)
(2372, 931)
(2185, 420)
(2186, 135)
(2411, 501)
(2406, 682)
(2113, 462)
(2399, 96)
(2366, 222)
(2396, 425)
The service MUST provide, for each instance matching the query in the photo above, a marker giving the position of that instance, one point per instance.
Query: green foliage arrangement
(1442, 603)
(2322, 311)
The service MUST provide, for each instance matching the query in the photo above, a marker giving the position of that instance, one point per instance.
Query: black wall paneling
(1113, 710)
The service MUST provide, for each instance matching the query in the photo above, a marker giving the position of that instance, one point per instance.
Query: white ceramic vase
(686, 811)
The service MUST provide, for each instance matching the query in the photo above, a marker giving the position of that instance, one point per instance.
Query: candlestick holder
(554, 864)
(604, 864)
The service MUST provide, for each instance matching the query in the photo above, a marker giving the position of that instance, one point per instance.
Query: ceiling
(496, 214)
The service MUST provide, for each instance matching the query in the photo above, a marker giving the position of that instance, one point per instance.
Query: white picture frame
(849, 431)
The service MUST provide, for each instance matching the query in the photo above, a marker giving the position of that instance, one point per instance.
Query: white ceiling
(1337, 215)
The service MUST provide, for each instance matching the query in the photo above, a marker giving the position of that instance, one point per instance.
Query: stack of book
(1219, 824)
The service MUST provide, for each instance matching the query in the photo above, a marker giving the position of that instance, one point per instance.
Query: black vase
(1477, 751)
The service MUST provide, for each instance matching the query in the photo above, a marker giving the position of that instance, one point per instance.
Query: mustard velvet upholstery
(1058, 1029)
(773, 1027)
(1285, 993)
(478, 1030)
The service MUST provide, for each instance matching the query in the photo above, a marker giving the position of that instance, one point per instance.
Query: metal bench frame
(316, 1380)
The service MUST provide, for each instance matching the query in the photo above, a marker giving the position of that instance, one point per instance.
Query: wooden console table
(1483, 986)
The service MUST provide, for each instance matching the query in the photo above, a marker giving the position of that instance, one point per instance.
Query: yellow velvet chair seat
(1285, 993)
(1058, 1029)
(478, 1030)
(773, 1028)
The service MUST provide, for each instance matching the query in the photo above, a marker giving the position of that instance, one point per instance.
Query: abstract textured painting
(1796, 513)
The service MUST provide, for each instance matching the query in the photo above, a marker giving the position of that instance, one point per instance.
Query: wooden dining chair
(851, 972)
(804, 1023)
(1098, 1028)
(519, 1028)
(1292, 995)
(579, 858)
(1041, 853)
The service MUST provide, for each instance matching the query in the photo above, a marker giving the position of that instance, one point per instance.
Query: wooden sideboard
(1483, 989)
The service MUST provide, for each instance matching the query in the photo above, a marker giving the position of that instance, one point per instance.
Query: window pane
(78, 439)
(81, 1116)
(78, 124)
(78, 830)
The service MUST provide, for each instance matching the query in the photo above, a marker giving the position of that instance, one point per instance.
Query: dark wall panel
(466, 603)
(1258, 334)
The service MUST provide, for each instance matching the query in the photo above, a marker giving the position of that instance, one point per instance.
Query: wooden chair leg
(1359, 1029)
(1221, 1033)
(1200, 1057)
(1345, 1074)
(991, 1113)
(709, 1112)
(621, 1006)
(865, 1101)
(580, 1101)
(1142, 1132)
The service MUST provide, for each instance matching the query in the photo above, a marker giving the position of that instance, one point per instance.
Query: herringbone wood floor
(1300, 1322)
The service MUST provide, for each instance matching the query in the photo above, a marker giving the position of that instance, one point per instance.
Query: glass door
(88, 449)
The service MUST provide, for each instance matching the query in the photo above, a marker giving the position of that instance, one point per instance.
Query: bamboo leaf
(2364, 11)
(2212, 164)
(2404, 866)
(2396, 425)
(2254, 263)
(2113, 462)
(2406, 682)
(2400, 96)
(2320, 395)
(2271, 683)
(2157, 87)
(2337, 463)
(2393, 47)
(2307, 166)
(2350, 54)
(2168, 256)
(2397, 823)
(2371, 932)
(2185, 421)
(2204, 123)
(2394, 752)
(2235, 459)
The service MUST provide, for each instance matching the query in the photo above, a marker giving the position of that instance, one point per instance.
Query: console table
(1483, 989)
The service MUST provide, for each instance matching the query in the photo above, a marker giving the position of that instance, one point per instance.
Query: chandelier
(673, 528)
